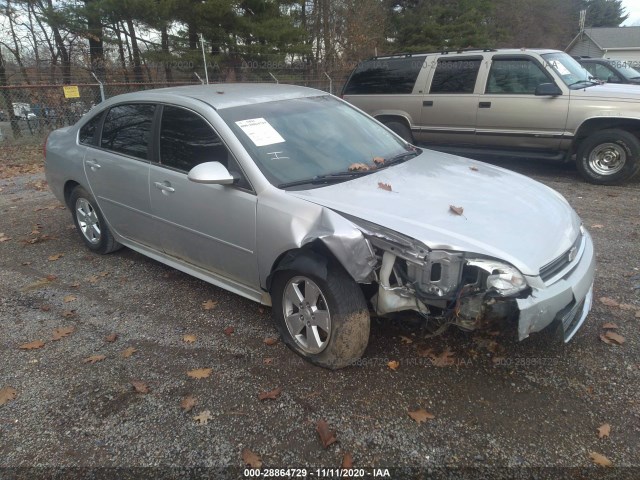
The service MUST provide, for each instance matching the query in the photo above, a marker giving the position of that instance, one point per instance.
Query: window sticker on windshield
(260, 131)
(562, 70)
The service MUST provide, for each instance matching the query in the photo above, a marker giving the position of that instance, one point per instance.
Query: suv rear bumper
(567, 300)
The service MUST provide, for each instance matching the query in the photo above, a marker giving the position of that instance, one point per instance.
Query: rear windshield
(392, 75)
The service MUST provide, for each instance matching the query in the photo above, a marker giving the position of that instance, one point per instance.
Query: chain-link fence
(29, 112)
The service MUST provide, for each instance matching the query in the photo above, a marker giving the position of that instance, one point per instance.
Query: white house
(616, 43)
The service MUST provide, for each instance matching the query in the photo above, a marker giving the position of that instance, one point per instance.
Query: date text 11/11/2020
(316, 473)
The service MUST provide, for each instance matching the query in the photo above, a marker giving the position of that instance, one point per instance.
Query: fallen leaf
(393, 364)
(604, 430)
(60, 333)
(7, 394)
(600, 459)
(378, 160)
(68, 313)
(405, 340)
(613, 336)
(51, 277)
(200, 373)
(270, 341)
(267, 361)
(93, 279)
(25, 263)
(209, 304)
(475, 169)
(55, 257)
(421, 415)
(445, 359)
(626, 306)
(188, 403)
(358, 167)
(75, 285)
(605, 339)
(456, 210)
(251, 459)
(597, 225)
(203, 417)
(270, 395)
(69, 298)
(45, 308)
(609, 302)
(610, 325)
(4, 238)
(229, 330)
(327, 437)
(32, 345)
(94, 359)
(111, 338)
(189, 338)
(128, 352)
(385, 186)
(347, 461)
(140, 387)
(103, 274)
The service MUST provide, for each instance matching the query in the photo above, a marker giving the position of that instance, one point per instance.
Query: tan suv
(513, 102)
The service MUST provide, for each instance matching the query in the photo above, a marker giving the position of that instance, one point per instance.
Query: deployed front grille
(551, 269)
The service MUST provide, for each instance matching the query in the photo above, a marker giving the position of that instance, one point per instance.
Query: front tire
(609, 157)
(90, 223)
(326, 321)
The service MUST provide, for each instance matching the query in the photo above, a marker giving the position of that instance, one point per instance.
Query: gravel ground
(499, 407)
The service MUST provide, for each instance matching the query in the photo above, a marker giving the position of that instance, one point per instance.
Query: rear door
(511, 116)
(117, 169)
(449, 108)
(210, 226)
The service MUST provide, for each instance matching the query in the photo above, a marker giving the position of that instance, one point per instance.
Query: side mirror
(548, 90)
(212, 173)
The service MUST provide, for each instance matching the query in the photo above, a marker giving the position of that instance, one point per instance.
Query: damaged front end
(445, 287)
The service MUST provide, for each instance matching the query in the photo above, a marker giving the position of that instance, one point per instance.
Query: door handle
(427, 103)
(165, 187)
(94, 165)
(484, 105)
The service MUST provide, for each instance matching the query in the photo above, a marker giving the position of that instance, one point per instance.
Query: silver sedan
(293, 198)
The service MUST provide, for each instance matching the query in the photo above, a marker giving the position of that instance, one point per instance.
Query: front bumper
(567, 299)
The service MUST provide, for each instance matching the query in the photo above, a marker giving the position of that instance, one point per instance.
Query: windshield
(306, 138)
(569, 70)
(627, 71)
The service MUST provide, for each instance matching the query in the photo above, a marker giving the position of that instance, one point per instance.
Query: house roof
(607, 38)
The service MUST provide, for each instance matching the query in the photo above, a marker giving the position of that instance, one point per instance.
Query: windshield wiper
(591, 82)
(328, 178)
(401, 157)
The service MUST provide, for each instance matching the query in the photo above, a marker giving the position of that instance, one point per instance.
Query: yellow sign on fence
(71, 92)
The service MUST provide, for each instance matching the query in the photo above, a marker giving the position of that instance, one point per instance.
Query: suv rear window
(391, 75)
(455, 76)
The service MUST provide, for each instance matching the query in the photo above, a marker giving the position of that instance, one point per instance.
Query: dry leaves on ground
(347, 460)
(203, 417)
(393, 364)
(609, 325)
(128, 352)
(188, 403)
(209, 304)
(270, 395)
(601, 460)
(69, 298)
(4, 238)
(36, 344)
(94, 359)
(610, 338)
(251, 459)
(327, 437)
(420, 415)
(7, 394)
(268, 361)
(200, 373)
(229, 330)
(189, 338)
(140, 387)
(111, 338)
(609, 302)
(68, 313)
(60, 333)
(270, 341)
(55, 257)
(604, 430)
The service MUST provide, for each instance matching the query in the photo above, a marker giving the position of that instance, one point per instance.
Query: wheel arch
(69, 186)
(592, 125)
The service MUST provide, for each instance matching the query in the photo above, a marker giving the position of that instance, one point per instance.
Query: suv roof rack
(442, 52)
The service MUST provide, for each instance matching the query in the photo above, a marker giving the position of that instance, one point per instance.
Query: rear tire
(326, 321)
(609, 157)
(90, 223)
(400, 129)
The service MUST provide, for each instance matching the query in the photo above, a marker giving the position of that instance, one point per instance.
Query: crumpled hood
(506, 215)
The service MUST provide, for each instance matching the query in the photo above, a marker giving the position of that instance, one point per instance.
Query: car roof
(223, 95)
(513, 51)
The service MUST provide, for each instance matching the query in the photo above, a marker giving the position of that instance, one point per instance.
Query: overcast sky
(633, 9)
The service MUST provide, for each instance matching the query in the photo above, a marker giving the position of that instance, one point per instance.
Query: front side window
(569, 70)
(127, 130)
(87, 135)
(517, 76)
(455, 76)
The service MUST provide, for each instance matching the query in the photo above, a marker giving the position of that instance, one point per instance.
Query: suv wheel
(609, 157)
(401, 129)
(326, 321)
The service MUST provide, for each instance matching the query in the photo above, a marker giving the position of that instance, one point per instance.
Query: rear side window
(393, 75)
(87, 135)
(127, 129)
(455, 76)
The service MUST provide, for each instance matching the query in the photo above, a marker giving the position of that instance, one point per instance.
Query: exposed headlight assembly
(503, 278)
